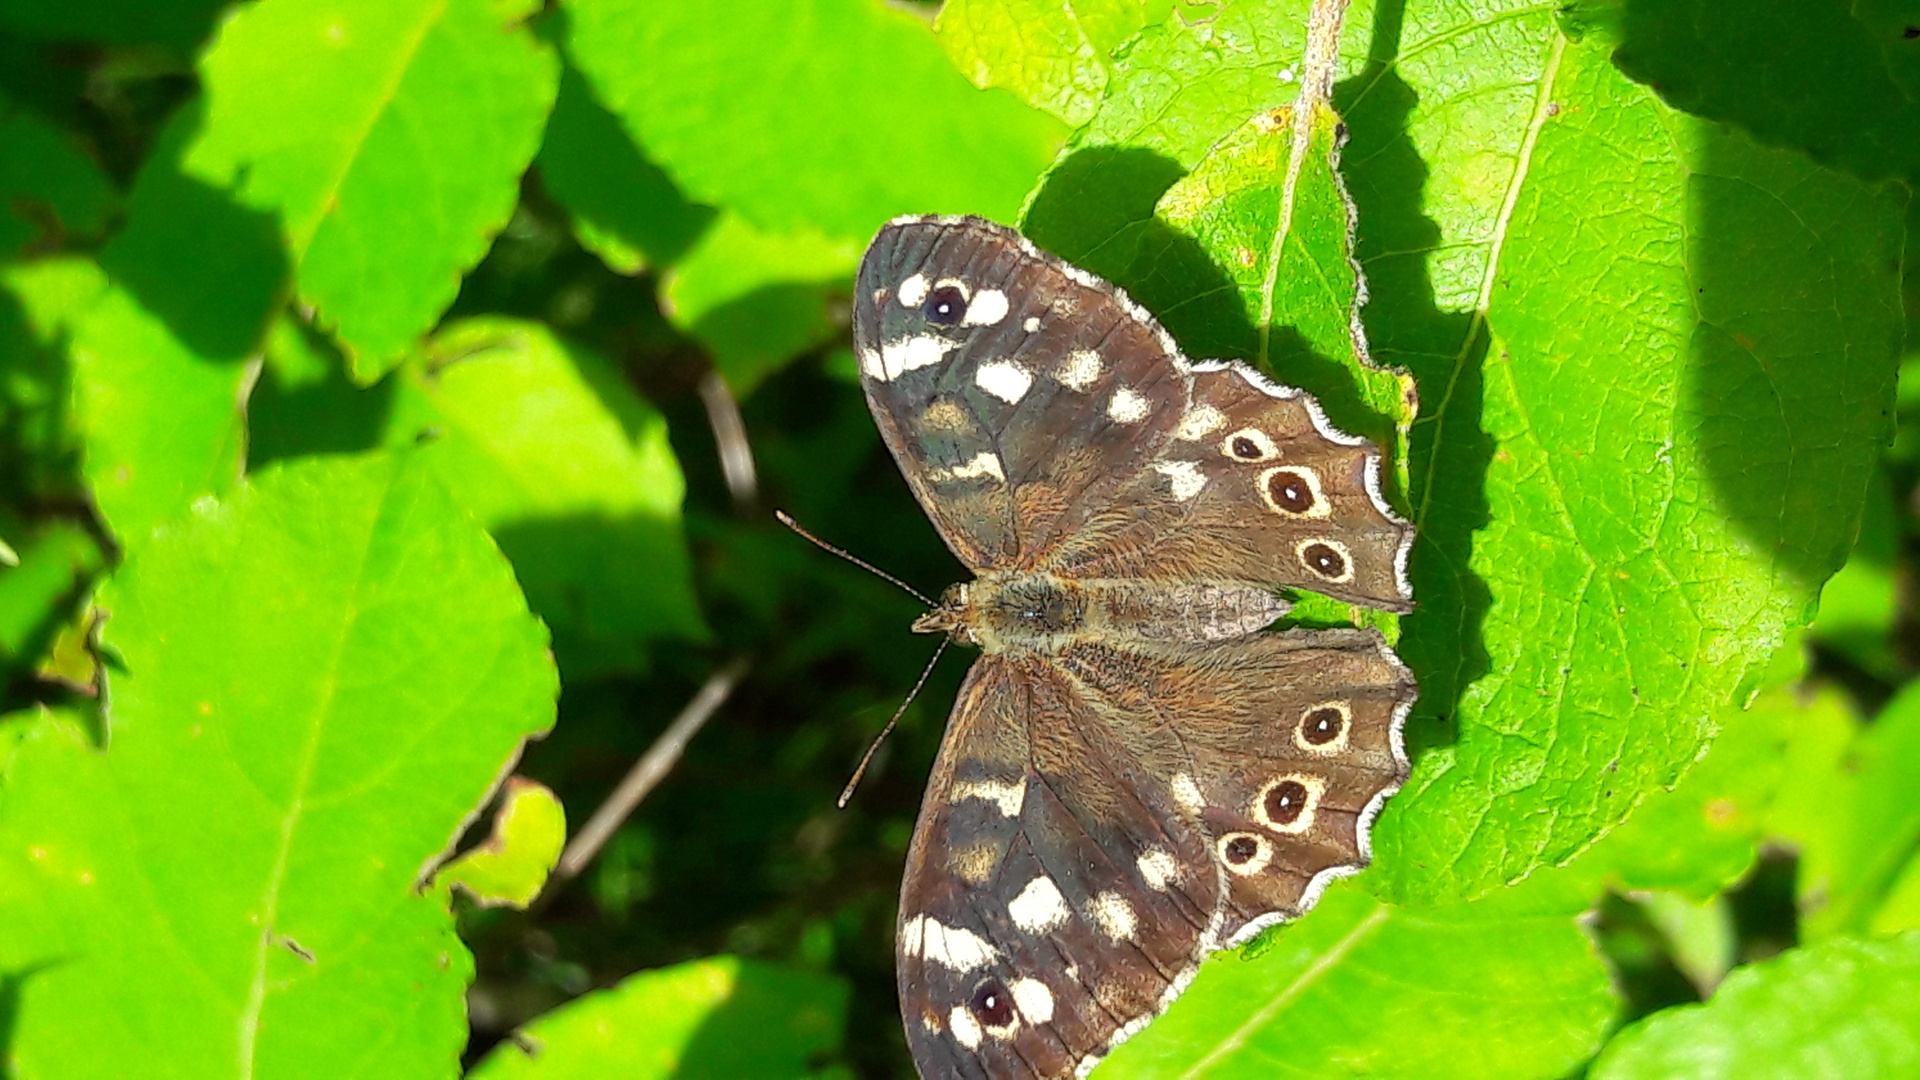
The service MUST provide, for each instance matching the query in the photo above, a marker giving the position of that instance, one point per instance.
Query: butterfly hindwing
(1017, 393)
(1292, 743)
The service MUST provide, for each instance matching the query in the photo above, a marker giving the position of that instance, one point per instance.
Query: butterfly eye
(992, 1005)
(945, 306)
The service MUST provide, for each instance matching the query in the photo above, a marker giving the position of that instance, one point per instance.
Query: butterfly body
(1137, 771)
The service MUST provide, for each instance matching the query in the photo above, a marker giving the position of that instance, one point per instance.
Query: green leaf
(1282, 227)
(1507, 986)
(757, 300)
(40, 304)
(1057, 54)
(834, 115)
(721, 1018)
(1665, 356)
(624, 208)
(1859, 828)
(1616, 404)
(387, 137)
(573, 474)
(510, 867)
(1840, 1008)
(161, 423)
(1859, 604)
(40, 586)
(321, 676)
(1184, 84)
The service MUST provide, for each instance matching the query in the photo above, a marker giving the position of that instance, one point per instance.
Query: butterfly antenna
(847, 795)
(787, 520)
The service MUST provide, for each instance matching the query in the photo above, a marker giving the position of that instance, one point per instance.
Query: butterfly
(1137, 771)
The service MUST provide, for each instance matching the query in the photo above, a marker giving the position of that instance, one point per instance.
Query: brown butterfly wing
(1023, 409)
(1293, 743)
(1053, 902)
(1257, 487)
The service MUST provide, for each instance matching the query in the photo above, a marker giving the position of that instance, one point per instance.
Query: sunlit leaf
(318, 679)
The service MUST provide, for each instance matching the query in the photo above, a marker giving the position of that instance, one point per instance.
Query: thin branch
(730, 439)
(646, 773)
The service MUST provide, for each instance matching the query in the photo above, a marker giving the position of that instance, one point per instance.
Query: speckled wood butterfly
(1137, 772)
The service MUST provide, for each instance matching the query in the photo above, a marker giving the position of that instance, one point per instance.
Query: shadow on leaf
(1449, 451)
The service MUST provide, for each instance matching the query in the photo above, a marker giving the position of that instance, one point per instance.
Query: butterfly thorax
(1023, 611)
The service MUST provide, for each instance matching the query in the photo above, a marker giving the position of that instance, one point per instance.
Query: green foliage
(337, 341)
(717, 1019)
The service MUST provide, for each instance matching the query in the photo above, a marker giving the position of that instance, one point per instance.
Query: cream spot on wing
(973, 863)
(1185, 476)
(1004, 379)
(954, 947)
(913, 935)
(1114, 916)
(965, 1028)
(931, 1021)
(1187, 793)
(1033, 998)
(1039, 909)
(1008, 797)
(1032, 325)
(912, 353)
(944, 415)
(873, 364)
(988, 307)
(1200, 422)
(1158, 869)
(1127, 406)
(913, 291)
(1080, 370)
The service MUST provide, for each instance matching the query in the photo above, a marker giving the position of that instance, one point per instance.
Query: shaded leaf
(1840, 1008)
(756, 299)
(573, 474)
(1857, 823)
(322, 675)
(51, 193)
(721, 1018)
(624, 208)
(830, 114)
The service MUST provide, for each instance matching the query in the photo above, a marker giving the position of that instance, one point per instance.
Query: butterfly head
(950, 617)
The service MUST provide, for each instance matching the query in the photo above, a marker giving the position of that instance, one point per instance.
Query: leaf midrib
(249, 1020)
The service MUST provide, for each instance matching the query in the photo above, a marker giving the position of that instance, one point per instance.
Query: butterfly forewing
(1016, 392)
